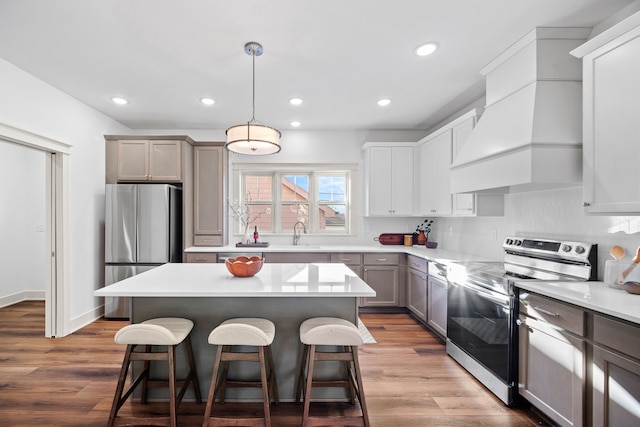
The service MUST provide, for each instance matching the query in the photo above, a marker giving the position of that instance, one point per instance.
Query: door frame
(57, 316)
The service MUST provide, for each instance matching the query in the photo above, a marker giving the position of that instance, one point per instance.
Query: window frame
(278, 171)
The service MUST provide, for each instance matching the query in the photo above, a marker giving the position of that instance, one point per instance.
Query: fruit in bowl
(243, 266)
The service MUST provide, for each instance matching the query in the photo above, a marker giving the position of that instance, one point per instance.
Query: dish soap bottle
(255, 235)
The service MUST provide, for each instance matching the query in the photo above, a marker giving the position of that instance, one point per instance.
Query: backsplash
(553, 214)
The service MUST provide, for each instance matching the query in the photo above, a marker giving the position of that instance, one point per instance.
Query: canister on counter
(408, 239)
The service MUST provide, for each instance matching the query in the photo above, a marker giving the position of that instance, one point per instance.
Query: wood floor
(408, 378)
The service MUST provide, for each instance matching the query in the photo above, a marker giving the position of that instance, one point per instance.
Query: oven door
(479, 322)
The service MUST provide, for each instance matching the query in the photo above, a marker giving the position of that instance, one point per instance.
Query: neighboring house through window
(277, 196)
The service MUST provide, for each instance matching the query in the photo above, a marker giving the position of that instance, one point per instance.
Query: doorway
(55, 234)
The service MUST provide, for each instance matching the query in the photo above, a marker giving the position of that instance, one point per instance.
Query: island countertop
(214, 280)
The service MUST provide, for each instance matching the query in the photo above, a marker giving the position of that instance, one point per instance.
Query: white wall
(37, 107)
(22, 217)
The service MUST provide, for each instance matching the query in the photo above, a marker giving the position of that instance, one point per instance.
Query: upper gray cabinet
(209, 194)
(611, 129)
(146, 158)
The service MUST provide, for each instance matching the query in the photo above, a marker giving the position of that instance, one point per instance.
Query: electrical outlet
(450, 228)
(494, 234)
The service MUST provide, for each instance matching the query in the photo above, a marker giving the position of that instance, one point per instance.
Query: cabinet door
(402, 194)
(384, 280)
(165, 161)
(208, 210)
(133, 160)
(551, 371)
(437, 305)
(390, 181)
(417, 293)
(297, 257)
(435, 183)
(611, 126)
(616, 389)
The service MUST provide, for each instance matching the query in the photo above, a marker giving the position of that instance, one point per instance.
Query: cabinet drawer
(554, 312)
(347, 258)
(417, 263)
(202, 257)
(616, 335)
(207, 240)
(381, 259)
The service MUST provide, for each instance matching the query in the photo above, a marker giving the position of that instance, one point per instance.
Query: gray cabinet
(437, 300)
(552, 359)
(350, 259)
(381, 274)
(417, 286)
(297, 257)
(201, 257)
(209, 194)
(616, 373)
(150, 160)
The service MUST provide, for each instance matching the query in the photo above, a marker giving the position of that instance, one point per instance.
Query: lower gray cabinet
(552, 359)
(297, 257)
(437, 303)
(616, 373)
(381, 274)
(417, 286)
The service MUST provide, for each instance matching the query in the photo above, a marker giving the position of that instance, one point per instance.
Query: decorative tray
(253, 245)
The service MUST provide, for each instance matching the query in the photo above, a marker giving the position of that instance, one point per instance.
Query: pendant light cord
(253, 112)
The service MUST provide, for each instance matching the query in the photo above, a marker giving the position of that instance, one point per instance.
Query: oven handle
(495, 297)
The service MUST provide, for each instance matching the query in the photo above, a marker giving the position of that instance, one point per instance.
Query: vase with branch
(422, 230)
(243, 213)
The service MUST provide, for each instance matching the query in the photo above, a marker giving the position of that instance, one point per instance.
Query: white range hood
(530, 135)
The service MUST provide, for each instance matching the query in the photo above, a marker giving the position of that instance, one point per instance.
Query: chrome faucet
(296, 236)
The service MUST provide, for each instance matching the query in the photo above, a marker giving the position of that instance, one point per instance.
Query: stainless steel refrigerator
(143, 229)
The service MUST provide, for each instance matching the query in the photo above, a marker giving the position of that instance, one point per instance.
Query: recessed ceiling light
(207, 101)
(384, 102)
(119, 101)
(426, 49)
(295, 124)
(295, 101)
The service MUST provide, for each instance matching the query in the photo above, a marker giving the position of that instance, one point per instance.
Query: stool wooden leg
(307, 393)
(171, 353)
(115, 406)
(363, 404)
(145, 380)
(193, 375)
(350, 376)
(213, 387)
(266, 400)
(301, 376)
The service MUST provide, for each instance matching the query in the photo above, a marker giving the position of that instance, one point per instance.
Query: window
(275, 198)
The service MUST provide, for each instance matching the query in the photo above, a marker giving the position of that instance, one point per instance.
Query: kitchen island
(286, 294)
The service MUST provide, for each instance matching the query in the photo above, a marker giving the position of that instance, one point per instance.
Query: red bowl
(243, 266)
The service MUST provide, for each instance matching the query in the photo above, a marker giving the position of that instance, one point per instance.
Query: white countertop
(435, 255)
(596, 296)
(214, 280)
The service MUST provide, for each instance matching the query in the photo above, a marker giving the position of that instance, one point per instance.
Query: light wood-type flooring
(408, 378)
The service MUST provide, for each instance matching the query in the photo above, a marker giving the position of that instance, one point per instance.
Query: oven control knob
(509, 242)
(517, 242)
(566, 248)
(580, 250)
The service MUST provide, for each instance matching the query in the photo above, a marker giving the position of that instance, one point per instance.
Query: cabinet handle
(585, 204)
(381, 259)
(547, 312)
(345, 259)
(201, 259)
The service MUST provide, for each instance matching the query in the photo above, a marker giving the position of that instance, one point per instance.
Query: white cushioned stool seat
(329, 331)
(244, 331)
(160, 331)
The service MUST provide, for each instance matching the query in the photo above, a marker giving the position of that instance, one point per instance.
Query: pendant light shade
(253, 138)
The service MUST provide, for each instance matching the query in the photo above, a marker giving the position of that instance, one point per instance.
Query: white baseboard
(83, 320)
(8, 300)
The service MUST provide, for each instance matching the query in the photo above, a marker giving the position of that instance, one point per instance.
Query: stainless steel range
(482, 307)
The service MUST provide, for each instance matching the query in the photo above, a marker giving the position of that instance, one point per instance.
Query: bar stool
(331, 331)
(254, 332)
(165, 331)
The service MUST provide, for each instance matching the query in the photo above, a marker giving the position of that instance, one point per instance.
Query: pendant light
(253, 138)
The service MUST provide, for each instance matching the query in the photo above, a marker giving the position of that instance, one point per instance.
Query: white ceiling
(339, 56)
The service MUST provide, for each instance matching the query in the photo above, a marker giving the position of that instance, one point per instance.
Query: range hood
(530, 135)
